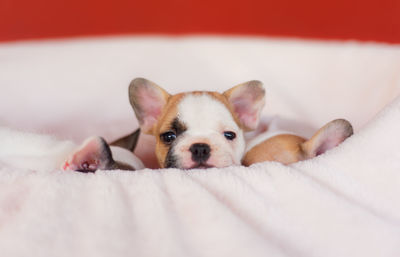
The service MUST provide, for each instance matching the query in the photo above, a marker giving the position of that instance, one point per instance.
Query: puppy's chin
(189, 164)
(200, 166)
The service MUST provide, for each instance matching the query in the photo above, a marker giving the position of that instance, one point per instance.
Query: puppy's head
(197, 129)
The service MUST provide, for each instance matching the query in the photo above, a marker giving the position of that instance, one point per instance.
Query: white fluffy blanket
(342, 203)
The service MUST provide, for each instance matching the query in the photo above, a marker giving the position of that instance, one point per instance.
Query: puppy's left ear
(247, 100)
(147, 100)
(327, 137)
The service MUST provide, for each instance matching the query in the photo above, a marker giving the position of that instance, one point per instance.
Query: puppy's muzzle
(200, 152)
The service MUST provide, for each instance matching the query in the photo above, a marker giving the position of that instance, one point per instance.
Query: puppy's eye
(229, 135)
(168, 137)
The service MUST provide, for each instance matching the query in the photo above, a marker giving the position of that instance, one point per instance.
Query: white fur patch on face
(206, 120)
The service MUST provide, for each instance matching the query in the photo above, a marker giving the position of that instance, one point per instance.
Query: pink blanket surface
(342, 203)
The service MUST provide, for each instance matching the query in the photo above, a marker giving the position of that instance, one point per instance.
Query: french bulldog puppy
(198, 129)
(287, 148)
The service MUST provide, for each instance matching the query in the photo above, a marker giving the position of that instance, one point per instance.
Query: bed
(342, 203)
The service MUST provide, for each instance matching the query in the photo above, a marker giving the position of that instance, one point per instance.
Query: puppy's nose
(200, 152)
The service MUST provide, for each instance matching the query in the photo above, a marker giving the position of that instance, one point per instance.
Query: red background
(375, 20)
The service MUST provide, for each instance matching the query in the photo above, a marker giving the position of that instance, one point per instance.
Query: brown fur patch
(169, 113)
(283, 148)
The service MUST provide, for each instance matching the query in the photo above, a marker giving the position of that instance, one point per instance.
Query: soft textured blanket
(342, 203)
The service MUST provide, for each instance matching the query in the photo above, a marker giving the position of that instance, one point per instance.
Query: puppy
(289, 148)
(197, 129)
(44, 153)
(95, 154)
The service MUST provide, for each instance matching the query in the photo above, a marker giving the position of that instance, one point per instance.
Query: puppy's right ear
(247, 100)
(147, 100)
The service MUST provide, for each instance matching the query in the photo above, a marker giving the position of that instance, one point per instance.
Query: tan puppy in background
(289, 148)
